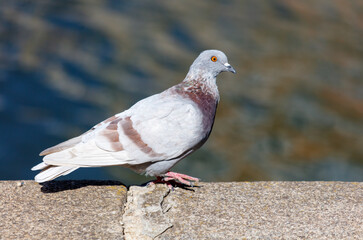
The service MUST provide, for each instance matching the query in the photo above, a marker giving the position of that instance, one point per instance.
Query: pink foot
(173, 176)
(181, 178)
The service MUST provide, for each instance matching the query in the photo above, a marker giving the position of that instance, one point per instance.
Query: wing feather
(157, 128)
(62, 146)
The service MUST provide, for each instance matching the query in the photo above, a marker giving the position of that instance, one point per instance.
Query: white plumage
(151, 136)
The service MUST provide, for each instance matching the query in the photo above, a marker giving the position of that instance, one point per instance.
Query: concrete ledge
(249, 210)
(241, 210)
(61, 210)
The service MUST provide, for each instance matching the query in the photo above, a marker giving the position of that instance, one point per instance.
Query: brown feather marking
(135, 137)
(110, 119)
(74, 141)
(112, 135)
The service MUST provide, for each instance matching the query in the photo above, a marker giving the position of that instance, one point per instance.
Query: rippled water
(294, 111)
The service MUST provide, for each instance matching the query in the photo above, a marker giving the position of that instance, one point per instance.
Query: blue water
(65, 67)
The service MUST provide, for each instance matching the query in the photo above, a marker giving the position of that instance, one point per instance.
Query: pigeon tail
(51, 172)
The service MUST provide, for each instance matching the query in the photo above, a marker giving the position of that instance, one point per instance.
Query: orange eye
(214, 59)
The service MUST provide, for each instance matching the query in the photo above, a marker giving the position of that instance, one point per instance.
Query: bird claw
(181, 178)
(160, 180)
(177, 177)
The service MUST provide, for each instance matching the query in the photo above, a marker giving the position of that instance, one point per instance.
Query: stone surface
(144, 216)
(61, 210)
(248, 210)
(234, 210)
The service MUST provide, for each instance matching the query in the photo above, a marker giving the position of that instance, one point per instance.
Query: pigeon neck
(200, 74)
(203, 92)
(205, 82)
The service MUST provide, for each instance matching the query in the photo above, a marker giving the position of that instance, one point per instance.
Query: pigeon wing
(157, 128)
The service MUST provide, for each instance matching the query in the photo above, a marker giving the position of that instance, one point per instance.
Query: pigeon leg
(161, 180)
(182, 178)
(173, 176)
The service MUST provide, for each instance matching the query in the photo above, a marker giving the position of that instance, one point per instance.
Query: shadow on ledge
(173, 185)
(58, 186)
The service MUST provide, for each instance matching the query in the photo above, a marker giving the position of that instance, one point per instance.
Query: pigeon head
(210, 63)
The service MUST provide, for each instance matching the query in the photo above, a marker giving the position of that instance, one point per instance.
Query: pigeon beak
(229, 68)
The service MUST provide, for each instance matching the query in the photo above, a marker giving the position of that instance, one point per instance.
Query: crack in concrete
(144, 215)
(165, 207)
(166, 229)
(122, 210)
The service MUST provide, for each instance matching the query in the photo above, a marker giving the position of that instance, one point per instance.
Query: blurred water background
(294, 111)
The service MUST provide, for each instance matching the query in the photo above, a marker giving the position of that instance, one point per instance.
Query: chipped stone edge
(145, 212)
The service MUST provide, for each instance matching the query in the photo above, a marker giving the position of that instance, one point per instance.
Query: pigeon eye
(213, 59)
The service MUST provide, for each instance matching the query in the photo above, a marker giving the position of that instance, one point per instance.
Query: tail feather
(70, 155)
(39, 166)
(50, 172)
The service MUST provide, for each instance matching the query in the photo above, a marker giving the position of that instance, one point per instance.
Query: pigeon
(152, 135)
